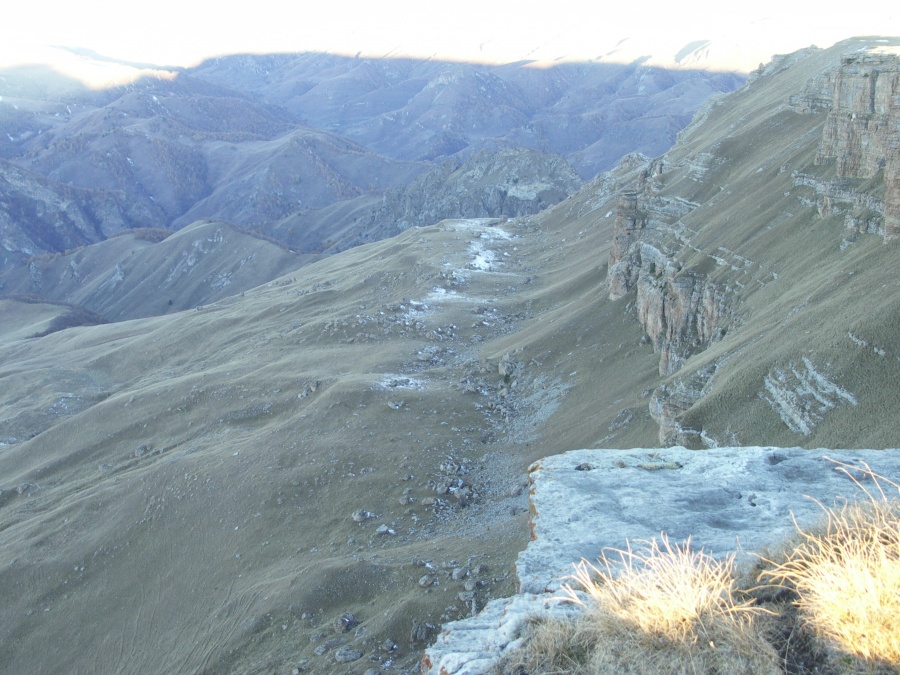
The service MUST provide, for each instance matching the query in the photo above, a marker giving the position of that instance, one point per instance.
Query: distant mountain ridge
(258, 140)
(591, 113)
(321, 472)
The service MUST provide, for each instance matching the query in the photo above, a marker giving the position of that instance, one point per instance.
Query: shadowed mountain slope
(507, 182)
(591, 113)
(262, 140)
(132, 275)
(39, 215)
(218, 490)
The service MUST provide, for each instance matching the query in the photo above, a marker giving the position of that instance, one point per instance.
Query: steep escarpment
(695, 254)
(679, 310)
(858, 158)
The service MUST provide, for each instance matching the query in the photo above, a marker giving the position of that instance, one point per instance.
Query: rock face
(679, 310)
(670, 401)
(861, 139)
(729, 500)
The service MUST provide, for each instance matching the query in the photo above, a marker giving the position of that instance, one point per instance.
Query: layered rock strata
(680, 311)
(861, 140)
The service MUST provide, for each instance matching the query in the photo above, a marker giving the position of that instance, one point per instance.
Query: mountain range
(315, 473)
(257, 140)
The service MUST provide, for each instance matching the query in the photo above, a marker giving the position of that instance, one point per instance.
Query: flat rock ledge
(740, 500)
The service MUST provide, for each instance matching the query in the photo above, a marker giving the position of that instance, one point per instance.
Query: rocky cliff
(860, 142)
(673, 258)
(679, 311)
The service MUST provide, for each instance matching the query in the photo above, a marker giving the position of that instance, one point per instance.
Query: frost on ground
(483, 259)
(438, 294)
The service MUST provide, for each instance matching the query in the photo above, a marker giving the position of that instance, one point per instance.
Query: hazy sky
(182, 32)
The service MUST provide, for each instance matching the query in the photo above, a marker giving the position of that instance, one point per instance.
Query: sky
(184, 32)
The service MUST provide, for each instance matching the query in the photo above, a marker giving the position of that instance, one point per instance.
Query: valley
(317, 472)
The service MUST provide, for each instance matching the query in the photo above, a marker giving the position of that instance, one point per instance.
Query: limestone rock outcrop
(582, 502)
(670, 401)
(680, 311)
(861, 139)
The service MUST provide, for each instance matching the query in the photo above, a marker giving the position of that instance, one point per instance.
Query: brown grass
(846, 575)
(834, 606)
(661, 609)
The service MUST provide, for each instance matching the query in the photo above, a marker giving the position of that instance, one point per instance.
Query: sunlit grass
(846, 574)
(660, 609)
(668, 591)
(664, 608)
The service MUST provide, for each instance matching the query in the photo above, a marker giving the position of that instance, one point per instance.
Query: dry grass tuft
(667, 609)
(847, 577)
(670, 592)
(662, 609)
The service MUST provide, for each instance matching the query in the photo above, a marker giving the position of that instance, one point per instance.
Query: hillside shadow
(406, 108)
(270, 142)
(426, 109)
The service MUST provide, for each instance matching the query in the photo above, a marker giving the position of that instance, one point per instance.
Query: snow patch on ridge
(483, 259)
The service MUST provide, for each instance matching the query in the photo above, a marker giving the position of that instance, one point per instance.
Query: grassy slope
(22, 320)
(127, 277)
(180, 507)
